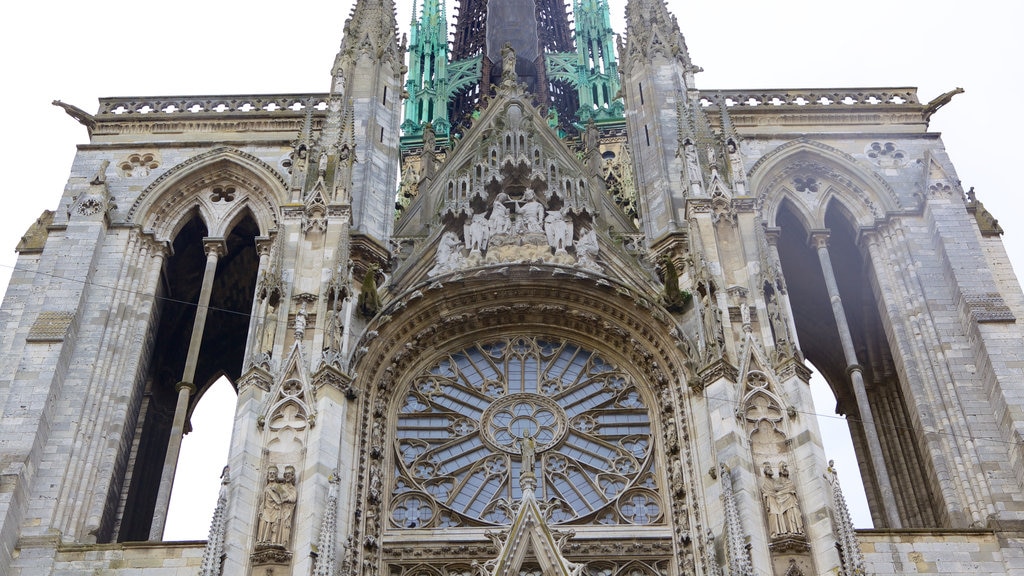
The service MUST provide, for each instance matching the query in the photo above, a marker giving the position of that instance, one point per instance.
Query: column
(819, 240)
(215, 248)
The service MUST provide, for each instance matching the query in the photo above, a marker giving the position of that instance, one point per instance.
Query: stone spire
(846, 535)
(657, 86)
(651, 29)
(367, 81)
(734, 156)
(736, 538)
(214, 551)
(326, 551)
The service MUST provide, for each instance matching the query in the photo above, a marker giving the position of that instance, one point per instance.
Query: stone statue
(477, 232)
(269, 330)
(449, 254)
(332, 329)
(586, 250)
(376, 485)
(692, 168)
(531, 213)
(780, 502)
(676, 477)
(508, 64)
(528, 450)
(300, 322)
(712, 326)
(277, 509)
(558, 229)
(322, 164)
(500, 222)
(786, 493)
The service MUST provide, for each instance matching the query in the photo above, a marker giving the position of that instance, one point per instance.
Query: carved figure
(528, 450)
(277, 508)
(300, 322)
(712, 155)
(269, 329)
(586, 250)
(735, 160)
(692, 168)
(322, 164)
(377, 439)
(477, 232)
(780, 501)
(676, 477)
(712, 326)
(449, 254)
(558, 229)
(500, 222)
(508, 63)
(375, 484)
(332, 329)
(786, 493)
(531, 213)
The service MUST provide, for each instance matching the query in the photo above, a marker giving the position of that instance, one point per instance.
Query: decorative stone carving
(268, 333)
(737, 541)
(325, 562)
(138, 165)
(277, 507)
(299, 327)
(780, 502)
(448, 256)
(214, 551)
(846, 536)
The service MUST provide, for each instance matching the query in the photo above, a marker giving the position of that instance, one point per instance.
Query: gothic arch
(811, 174)
(818, 201)
(421, 326)
(221, 184)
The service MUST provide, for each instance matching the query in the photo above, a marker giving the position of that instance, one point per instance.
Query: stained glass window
(461, 428)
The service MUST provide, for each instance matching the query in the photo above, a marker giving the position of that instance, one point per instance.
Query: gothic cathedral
(515, 298)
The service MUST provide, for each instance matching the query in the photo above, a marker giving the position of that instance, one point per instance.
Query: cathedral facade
(522, 301)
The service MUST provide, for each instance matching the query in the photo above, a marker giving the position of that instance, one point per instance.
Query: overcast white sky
(80, 51)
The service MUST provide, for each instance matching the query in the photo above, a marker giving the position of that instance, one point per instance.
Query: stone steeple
(657, 85)
(367, 77)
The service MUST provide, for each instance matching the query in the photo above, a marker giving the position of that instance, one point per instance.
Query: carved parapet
(171, 107)
(810, 99)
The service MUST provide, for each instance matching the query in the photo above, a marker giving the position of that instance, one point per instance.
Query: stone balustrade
(811, 98)
(174, 107)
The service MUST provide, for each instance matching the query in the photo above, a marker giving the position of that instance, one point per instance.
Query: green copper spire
(428, 62)
(432, 79)
(593, 69)
(595, 46)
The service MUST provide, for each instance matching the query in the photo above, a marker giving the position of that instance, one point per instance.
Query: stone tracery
(580, 418)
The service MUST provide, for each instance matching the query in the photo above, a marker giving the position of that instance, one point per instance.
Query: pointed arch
(218, 184)
(811, 174)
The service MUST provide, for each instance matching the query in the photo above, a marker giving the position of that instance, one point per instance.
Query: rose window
(462, 426)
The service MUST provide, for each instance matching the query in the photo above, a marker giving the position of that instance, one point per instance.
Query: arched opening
(203, 454)
(904, 483)
(221, 352)
(835, 435)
